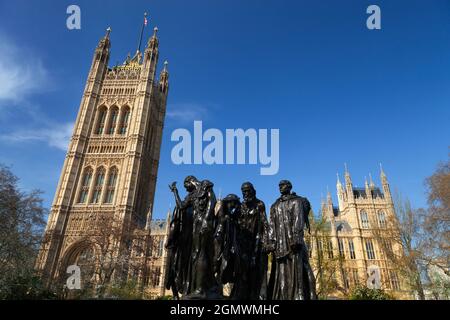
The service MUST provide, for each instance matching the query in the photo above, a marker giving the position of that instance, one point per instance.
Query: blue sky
(337, 91)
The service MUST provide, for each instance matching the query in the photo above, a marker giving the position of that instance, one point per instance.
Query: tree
(419, 239)
(436, 228)
(364, 293)
(325, 263)
(118, 262)
(400, 240)
(22, 221)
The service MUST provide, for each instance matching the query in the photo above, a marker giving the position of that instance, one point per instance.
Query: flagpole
(142, 32)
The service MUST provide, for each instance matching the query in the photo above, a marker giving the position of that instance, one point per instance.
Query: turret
(151, 54)
(164, 80)
(101, 55)
(340, 193)
(367, 188)
(371, 184)
(99, 64)
(330, 205)
(385, 184)
(348, 186)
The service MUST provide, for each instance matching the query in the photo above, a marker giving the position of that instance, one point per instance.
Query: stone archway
(83, 255)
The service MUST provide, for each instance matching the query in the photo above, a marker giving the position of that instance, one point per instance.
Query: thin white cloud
(57, 136)
(187, 112)
(21, 72)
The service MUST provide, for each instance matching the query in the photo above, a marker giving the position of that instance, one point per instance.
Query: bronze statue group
(212, 244)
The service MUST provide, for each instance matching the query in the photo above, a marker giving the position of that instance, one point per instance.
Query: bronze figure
(291, 275)
(191, 255)
(251, 260)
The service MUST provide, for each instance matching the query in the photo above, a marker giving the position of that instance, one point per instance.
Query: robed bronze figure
(291, 275)
(191, 254)
(225, 241)
(179, 242)
(251, 259)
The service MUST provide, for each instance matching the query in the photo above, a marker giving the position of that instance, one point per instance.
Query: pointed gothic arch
(124, 119)
(98, 185)
(113, 115)
(111, 185)
(83, 254)
(101, 120)
(85, 184)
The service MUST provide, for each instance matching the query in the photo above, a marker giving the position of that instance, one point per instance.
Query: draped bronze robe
(291, 277)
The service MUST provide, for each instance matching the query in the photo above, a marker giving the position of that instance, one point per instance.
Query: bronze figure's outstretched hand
(173, 186)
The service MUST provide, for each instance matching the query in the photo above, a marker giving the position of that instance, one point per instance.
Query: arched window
(85, 183)
(351, 249)
(111, 186)
(341, 247)
(330, 249)
(364, 220)
(101, 118)
(98, 185)
(381, 219)
(124, 120)
(160, 248)
(369, 249)
(113, 115)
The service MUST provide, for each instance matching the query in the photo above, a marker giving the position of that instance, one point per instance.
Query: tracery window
(98, 185)
(381, 219)
(364, 220)
(369, 249)
(124, 120)
(101, 120)
(111, 185)
(85, 184)
(113, 115)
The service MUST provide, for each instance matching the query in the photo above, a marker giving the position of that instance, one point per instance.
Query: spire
(348, 179)
(367, 187)
(371, 184)
(382, 174)
(153, 41)
(323, 207)
(105, 42)
(329, 199)
(348, 185)
(101, 57)
(164, 79)
(339, 187)
(384, 183)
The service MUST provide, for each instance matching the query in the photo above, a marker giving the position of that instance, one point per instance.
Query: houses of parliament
(101, 217)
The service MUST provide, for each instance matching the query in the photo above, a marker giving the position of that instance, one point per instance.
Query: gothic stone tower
(111, 164)
(354, 231)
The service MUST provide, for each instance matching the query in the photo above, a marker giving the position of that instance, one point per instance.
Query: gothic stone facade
(110, 169)
(154, 283)
(352, 235)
